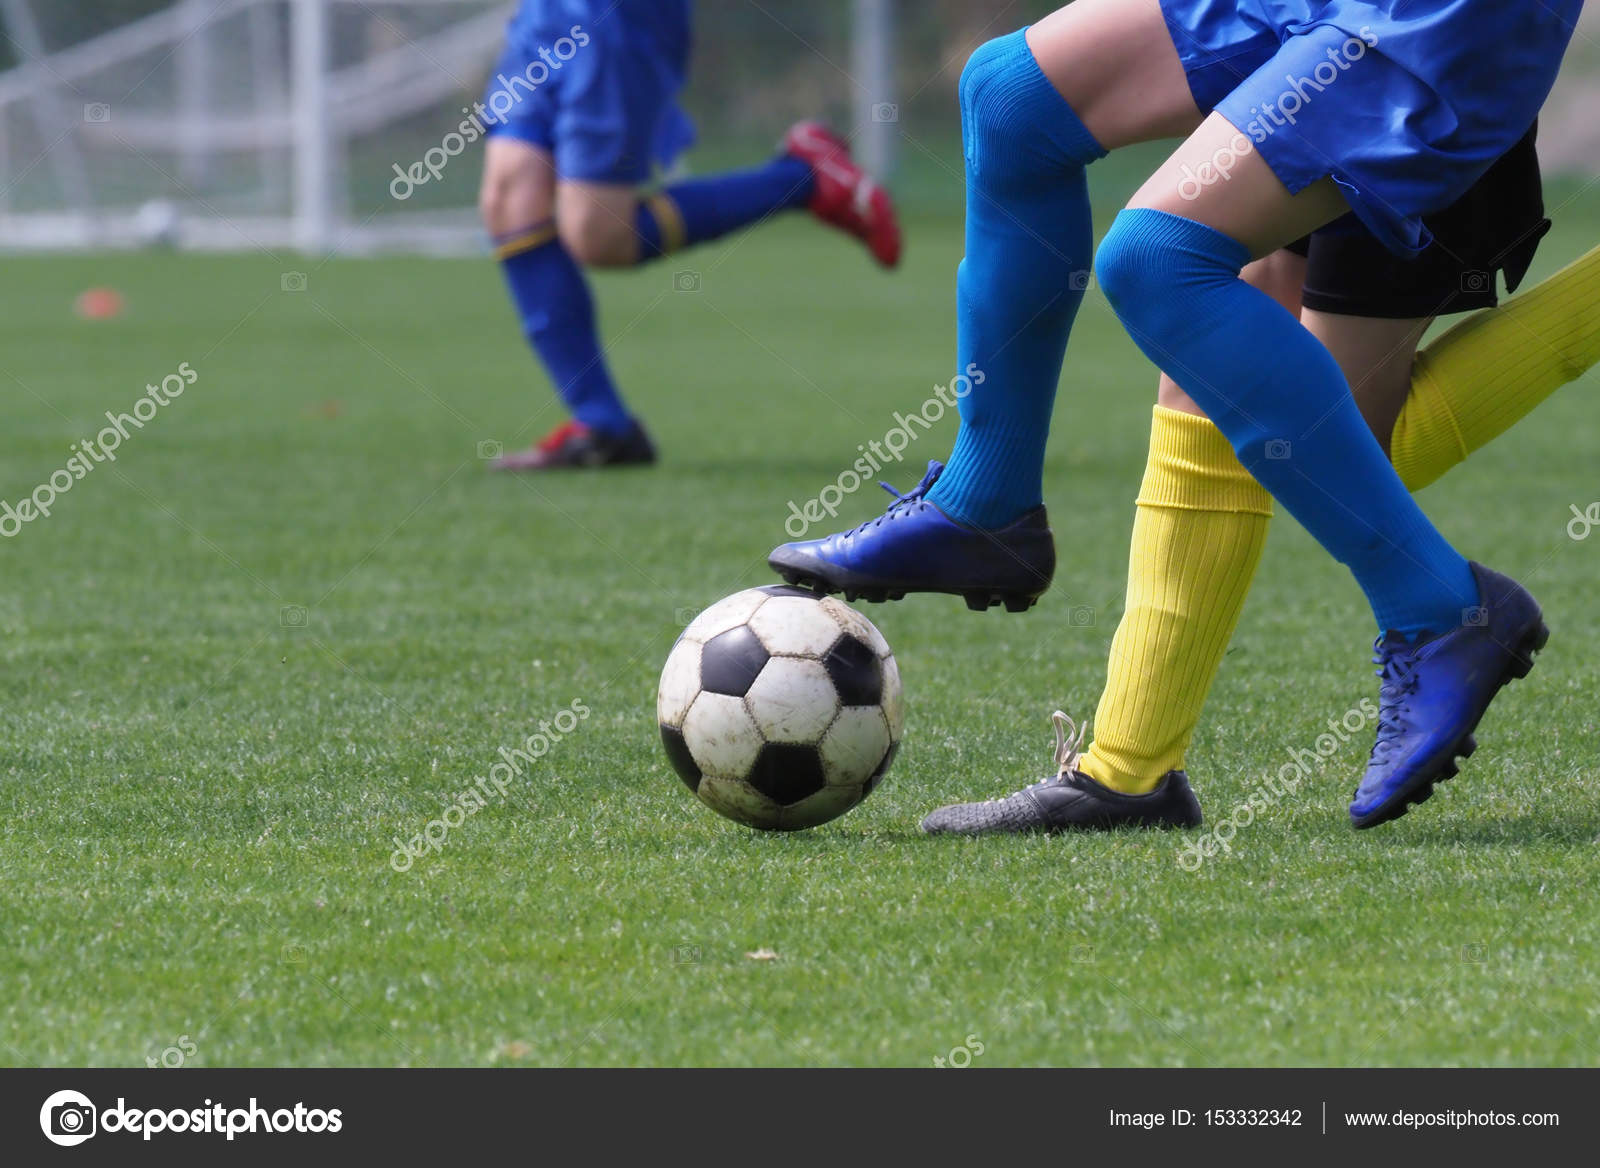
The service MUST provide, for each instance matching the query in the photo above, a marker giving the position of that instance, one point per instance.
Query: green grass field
(200, 789)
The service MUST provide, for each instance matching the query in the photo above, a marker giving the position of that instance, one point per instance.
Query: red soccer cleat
(574, 446)
(846, 196)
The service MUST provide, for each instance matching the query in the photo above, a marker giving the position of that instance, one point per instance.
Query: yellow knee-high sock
(1197, 540)
(1483, 376)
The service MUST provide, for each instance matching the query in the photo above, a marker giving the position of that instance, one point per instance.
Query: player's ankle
(1138, 781)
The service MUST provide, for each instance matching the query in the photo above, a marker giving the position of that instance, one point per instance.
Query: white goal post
(241, 124)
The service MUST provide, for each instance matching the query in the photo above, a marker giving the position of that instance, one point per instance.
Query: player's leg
(1170, 268)
(1492, 369)
(612, 226)
(1369, 308)
(1200, 526)
(1037, 107)
(619, 120)
(1200, 522)
(552, 298)
(1454, 633)
(1193, 555)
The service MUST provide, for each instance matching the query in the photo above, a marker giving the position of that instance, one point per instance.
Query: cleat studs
(1522, 661)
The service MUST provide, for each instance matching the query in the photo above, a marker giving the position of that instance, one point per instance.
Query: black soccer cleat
(1071, 801)
(574, 446)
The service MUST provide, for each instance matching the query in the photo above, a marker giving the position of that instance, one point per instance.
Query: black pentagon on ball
(856, 673)
(883, 768)
(791, 590)
(680, 758)
(786, 773)
(730, 662)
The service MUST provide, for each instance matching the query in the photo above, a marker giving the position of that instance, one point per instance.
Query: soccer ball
(780, 708)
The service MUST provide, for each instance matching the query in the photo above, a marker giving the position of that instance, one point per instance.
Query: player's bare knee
(492, 206)
(597, 238)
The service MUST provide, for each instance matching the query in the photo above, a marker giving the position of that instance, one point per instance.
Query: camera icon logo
(292, 616)
(1474, 954)
(293, 282)
(1081, 616)
(885, 111)
(686, 281)
(97, 113)
(67, 1118)
(1081, 280)
(1279, 450)
(1476, 617)
(1476, 281)
(686, 955)
(489, 450)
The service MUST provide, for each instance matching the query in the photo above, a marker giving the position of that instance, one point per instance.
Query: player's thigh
(1115, 63)
(597, 222)
(1218, 178)
(1377, 356)
(1282, 276)
(519, 185)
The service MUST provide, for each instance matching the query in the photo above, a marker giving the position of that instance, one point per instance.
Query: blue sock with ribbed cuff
(1029, 243)
(555, 306)
(1284, 404)
(702, 209)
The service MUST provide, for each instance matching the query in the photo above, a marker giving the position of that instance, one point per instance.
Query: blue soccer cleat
(915, 547)
(1434, 693)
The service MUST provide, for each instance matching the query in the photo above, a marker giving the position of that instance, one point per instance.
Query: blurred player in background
(585, 107)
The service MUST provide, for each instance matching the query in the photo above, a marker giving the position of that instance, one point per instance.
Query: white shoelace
(1069, 743)
(1068, 750)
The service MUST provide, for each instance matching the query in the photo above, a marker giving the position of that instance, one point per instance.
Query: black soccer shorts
(1494, 229)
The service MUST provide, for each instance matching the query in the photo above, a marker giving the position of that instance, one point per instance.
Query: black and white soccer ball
(780, 708)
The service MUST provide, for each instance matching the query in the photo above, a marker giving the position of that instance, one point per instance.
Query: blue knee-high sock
(704, 209)
(1029, 243)
(558, 318)
(1283, 402)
